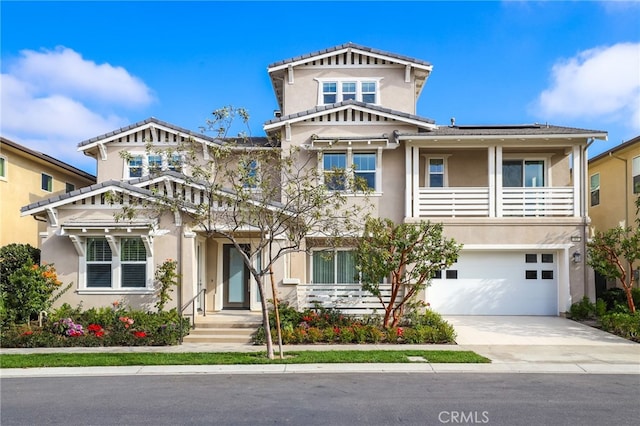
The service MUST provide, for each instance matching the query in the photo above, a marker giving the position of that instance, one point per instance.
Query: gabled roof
(616, 149)
(353, 47)
(504, 130)
(154, 123)
(84, 193)
(349, 54)
(48, 159)
(350, 104)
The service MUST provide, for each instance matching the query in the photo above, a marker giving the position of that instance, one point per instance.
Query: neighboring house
(614, 186)
(505, 191)
(27, 176)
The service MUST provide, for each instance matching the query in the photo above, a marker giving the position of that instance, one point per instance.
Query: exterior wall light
(577, 257)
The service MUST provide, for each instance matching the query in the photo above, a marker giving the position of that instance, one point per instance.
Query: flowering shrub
(107, 326)
(67, 327)
(331, 326)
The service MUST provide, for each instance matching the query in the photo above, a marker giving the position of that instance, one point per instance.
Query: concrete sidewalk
(514, 345)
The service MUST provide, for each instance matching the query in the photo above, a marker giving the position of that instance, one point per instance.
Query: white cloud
(52, 100)
(601, 83)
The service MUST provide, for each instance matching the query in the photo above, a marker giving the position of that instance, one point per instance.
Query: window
(341, 167)
(369, 92)
(348, 91)
(174, 163)
(335, 165)
(547, 275)
(250, 178)
(3, 168)
(547, 258)
(636, 175)
(531, 258)
(135, 166)
(522, 173)
(451, 274)
(329, 93)
(365, 169)
(126, 270)
(99, 261)
(595, 189)
(338, 91)
(47, 183)
(436, 172)
(68, 187)
(531, 275)
(133, 257)
(154, 163)
(337, 267)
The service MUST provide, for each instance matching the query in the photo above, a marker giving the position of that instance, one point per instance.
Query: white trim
(351, 50)
(445, 166)
(565, 139)
(339, 81)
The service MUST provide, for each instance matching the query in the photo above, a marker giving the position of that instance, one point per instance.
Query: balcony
(507, 202)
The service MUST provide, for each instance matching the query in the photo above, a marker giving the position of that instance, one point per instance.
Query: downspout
(584, 211)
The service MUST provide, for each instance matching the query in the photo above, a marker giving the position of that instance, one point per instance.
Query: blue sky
(75, 70)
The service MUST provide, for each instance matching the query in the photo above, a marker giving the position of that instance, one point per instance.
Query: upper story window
(365, 168)
(251, 176)
(135, 166)
(436, 172)
(338, 90)
(3, 168)
(523, 173)
(68, 187)
(138, 165)
(341, 167)
(46, 182)
(335, 166)
(636, 175)
(594, 189)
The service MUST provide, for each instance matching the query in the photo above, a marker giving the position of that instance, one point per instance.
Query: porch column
(577, 179)
(408, 174)
(415, 170)
(498, 181)
(492, 181)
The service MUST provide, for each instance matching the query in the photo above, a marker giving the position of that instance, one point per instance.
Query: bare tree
(252, 189)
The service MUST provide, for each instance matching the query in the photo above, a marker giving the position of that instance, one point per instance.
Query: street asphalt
(547, 345)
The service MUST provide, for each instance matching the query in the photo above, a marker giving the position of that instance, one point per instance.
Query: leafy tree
(259, 193)
(14, 256)
(613, 254)
(29, 291)
(409, 254)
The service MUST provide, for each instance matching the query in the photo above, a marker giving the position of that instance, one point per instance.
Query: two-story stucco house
(514, 195)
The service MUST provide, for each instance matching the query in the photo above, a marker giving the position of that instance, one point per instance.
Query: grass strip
(231, 358)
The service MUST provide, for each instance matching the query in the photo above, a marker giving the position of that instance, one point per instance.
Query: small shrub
(622, 324)
(600, 308)
(346, 335)
(329, 334)
(582, 310)
(614, 297)
(314, 335)
(375, 333)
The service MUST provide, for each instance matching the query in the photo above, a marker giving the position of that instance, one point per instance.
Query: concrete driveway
(510, 339)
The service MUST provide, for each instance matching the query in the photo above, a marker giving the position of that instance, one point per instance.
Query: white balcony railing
(476, 202)
(453, 202)
(539, 201)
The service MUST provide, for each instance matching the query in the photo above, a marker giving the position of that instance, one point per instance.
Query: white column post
(415, 175)
(492, 180)
(408, 200)
(498, 181)
(577, 179)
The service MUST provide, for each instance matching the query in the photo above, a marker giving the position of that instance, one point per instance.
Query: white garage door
(497, 283)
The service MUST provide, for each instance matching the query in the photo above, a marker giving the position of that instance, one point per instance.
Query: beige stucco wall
(22, 186)
(394, 92)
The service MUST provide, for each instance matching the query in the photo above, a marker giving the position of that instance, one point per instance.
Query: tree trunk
(630, 303)
(265, 319)
(277, 311)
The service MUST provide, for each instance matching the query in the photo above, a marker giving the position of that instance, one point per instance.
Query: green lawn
(230, 358)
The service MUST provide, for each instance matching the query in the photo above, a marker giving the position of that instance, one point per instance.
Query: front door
(236, 279)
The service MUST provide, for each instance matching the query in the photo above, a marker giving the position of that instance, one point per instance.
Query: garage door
(497, 283)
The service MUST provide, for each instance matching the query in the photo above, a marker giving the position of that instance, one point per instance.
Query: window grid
(133, 257)
(99, 263)
(365, 168)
